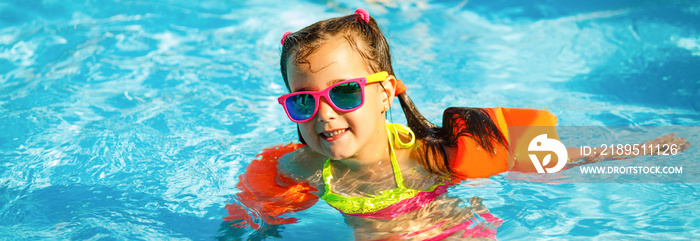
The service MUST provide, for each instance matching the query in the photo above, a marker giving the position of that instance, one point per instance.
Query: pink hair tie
(285, 36)
(364, 15)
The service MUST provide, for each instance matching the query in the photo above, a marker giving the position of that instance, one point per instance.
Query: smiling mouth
(333, 135)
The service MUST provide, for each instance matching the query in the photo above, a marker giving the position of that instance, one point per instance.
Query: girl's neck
(374, 153)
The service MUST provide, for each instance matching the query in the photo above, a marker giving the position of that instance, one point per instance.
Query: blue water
(132, 119)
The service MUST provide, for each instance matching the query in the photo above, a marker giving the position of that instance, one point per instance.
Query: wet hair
(367, 40)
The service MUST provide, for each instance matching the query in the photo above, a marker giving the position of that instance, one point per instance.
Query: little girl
(388, 180)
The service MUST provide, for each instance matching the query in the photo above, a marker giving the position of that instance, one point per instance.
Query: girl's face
(336, 134)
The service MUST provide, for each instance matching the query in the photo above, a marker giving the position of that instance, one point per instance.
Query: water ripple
(133, 119)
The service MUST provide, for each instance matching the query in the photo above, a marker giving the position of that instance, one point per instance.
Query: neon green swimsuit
(360, 205)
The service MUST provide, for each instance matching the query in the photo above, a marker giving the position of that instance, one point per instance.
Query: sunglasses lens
(301, 106)
(346, 96)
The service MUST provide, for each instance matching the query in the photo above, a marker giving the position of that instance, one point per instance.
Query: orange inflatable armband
(472, 161)
(267, 197)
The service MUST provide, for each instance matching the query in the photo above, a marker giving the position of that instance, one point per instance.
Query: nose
(326, 112)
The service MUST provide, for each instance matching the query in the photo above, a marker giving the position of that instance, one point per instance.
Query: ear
(389, 89)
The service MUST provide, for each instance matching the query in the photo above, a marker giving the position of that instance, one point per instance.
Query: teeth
(332, 134)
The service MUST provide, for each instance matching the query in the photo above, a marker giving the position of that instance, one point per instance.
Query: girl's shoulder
(301, 164)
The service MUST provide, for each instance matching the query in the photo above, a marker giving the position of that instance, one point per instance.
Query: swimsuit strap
(327, 177)
(392, 130)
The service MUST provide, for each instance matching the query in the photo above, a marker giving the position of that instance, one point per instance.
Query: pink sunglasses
(345, 96)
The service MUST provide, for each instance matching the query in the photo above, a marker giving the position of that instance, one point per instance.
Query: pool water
(132, 119)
